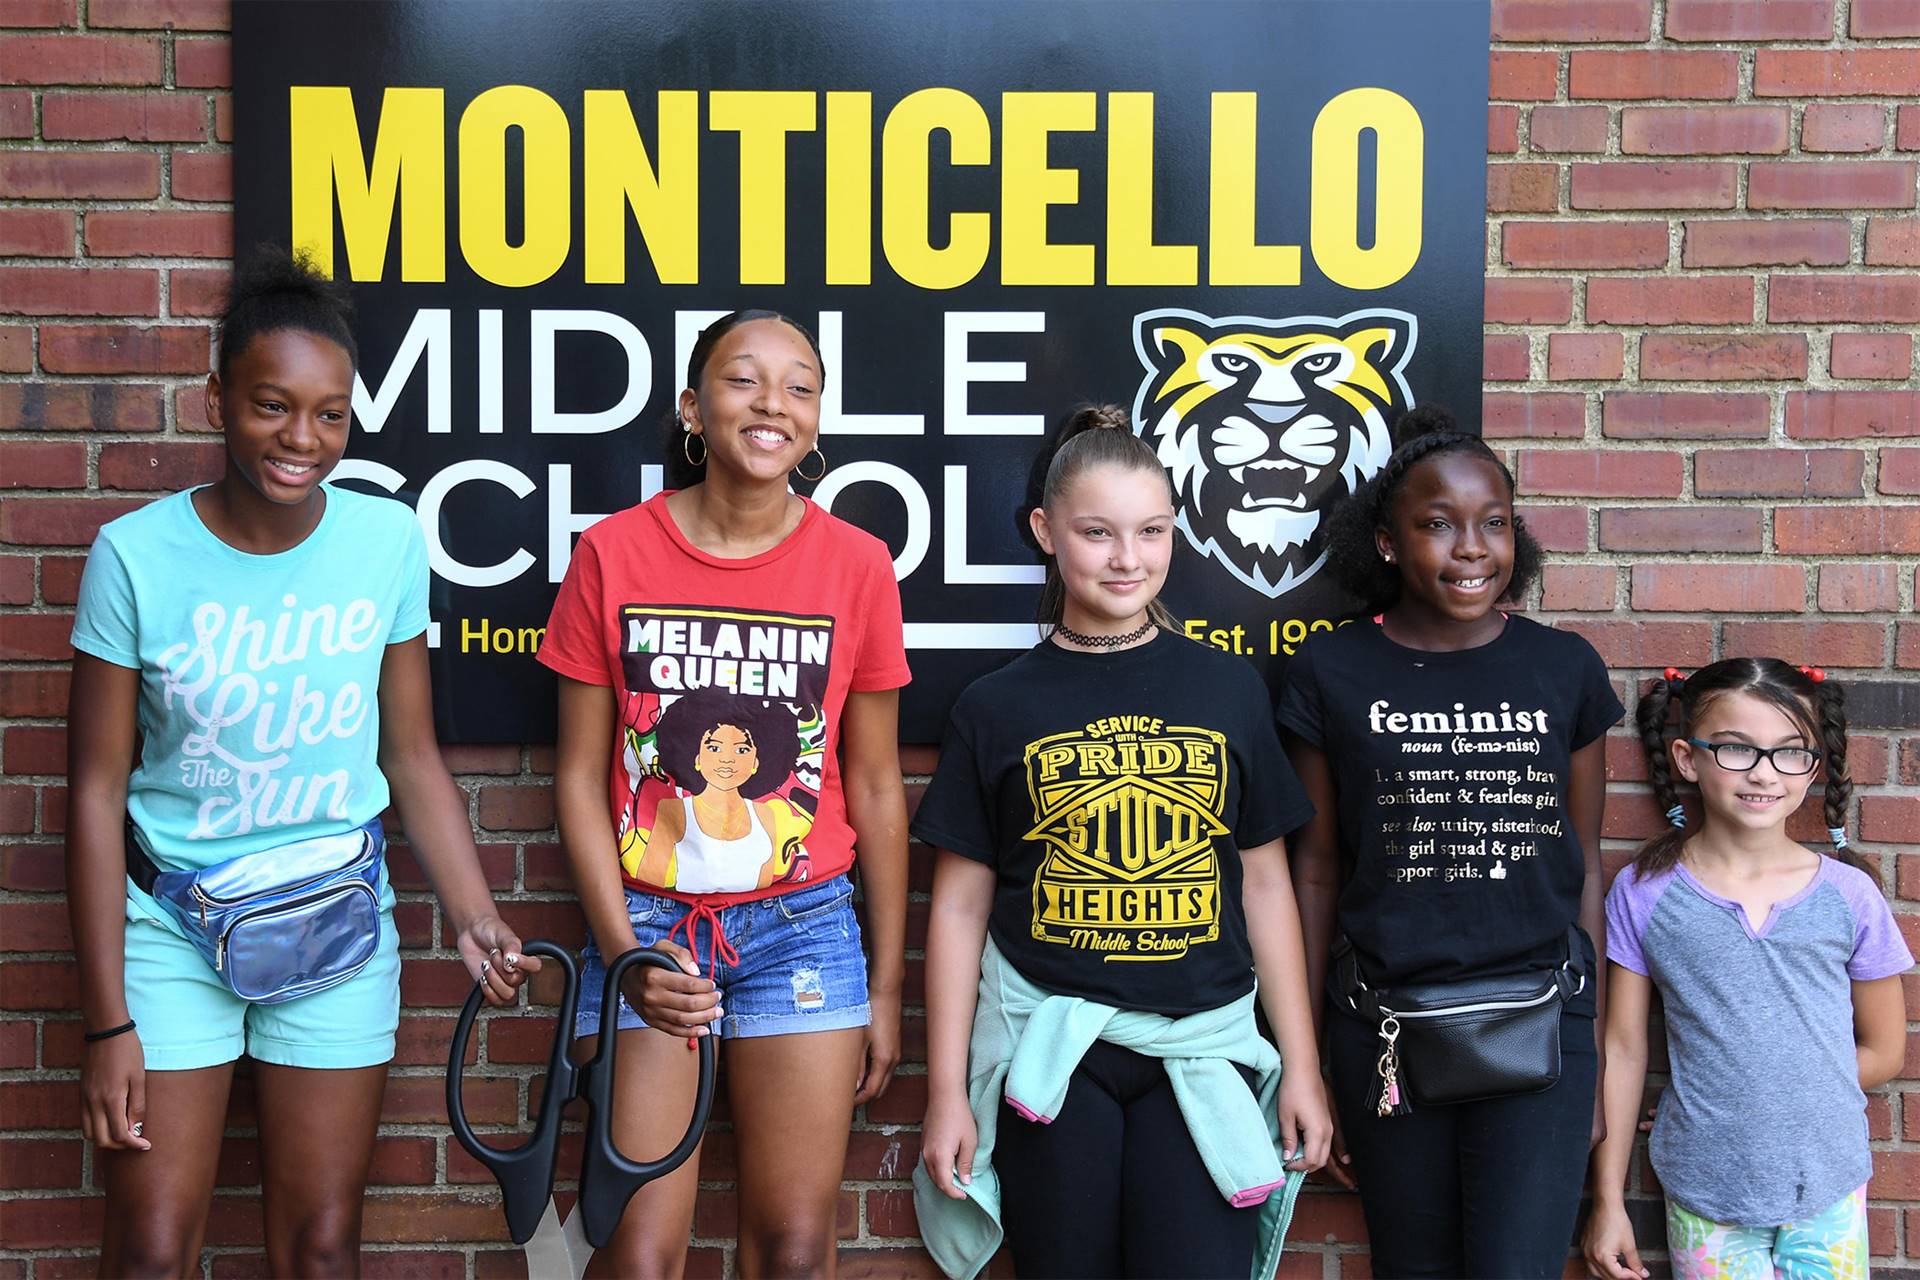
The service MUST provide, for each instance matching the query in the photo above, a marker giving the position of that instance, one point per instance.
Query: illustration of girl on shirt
(724, 828)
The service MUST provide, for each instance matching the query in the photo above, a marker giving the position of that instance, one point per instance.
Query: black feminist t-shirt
(1451, 771)
(1111, 793)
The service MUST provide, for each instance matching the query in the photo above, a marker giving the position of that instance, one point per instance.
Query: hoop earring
(816, 475)
(686, 450)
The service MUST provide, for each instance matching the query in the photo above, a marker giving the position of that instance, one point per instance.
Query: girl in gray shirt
(1779, 971)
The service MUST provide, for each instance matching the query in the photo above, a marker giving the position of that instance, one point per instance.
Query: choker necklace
(1103, 642)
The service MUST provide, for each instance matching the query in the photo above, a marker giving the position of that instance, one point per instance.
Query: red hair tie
(1814, 674)
(1674, 676)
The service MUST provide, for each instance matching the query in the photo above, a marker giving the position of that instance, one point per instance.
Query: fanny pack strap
(139, 865)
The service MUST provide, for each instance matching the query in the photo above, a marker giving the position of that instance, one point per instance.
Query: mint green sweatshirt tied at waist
(1026, 1044)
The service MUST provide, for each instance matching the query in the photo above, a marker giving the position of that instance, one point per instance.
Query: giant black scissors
(608, 1179)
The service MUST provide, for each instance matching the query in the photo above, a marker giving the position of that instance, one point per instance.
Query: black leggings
(1487, 1189)
(1114, 1186)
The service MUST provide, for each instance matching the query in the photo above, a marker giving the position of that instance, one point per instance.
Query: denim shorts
(799, 968)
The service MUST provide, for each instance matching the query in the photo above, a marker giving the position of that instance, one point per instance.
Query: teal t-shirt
(259, 674)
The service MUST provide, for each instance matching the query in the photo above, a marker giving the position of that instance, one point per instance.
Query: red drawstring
(718, 948)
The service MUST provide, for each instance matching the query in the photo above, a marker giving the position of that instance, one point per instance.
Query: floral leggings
(1831, 1245)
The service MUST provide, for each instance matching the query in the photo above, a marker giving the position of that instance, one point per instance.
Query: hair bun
(1423, 420)
(1105, 417)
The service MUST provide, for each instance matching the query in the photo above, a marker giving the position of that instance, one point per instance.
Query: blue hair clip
(1677, 816)
(1839, 837)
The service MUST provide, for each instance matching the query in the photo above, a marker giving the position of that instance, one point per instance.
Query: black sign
(1261, 225)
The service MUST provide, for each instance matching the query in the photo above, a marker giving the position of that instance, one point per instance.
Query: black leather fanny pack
(1464, 1040)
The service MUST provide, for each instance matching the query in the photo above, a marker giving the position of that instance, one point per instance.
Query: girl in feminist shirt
(1453, 753)
(262, 640)
(1779, 972)
(730, 659)
(1111, 879)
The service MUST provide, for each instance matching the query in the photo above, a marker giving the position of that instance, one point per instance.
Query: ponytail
(1830, 704)
(1663, 850)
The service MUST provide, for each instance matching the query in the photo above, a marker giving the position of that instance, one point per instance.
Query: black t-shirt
(1451, 773)
(1112, 794)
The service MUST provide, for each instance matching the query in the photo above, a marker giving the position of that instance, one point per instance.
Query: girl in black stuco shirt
(1108, 813)
(1453, 753)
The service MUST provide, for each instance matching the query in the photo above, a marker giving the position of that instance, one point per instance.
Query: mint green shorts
(189, 1019)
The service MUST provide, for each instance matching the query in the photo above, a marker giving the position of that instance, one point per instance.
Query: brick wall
(1701, 300)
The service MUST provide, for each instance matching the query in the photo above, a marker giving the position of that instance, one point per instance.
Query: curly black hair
(680, 473)
(273, 289)
(770, 726)
(1353, 558)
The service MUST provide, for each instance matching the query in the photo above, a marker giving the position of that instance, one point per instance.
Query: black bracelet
(94, 1037)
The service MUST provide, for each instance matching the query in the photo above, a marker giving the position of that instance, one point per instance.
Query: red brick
(1859, 299)
(51, 1223)
(1900, 471)
(39, 984)
(163, 466)
(36, 637)
(1585, 356)
(1661, 300)
(419, 1217)
(1835, 73)
(1883, 18)
(1554, 528)
(1555, 21)
(159, 233)
(16, 348)
(16, 114)
(1528, 300)
(79, 291)
(1534, 415)
(197, 291)
(39, 13)
(1503, 358)
(1779, 473)
(1723, 357)
(1749, 19)
(1684, 415)
(34, 926)
(203, 64)
(64, 522)
(1652, 73)
(1871, 355)
(1523, 188)
(38, 692)
(1584, 244)
(129, 117)
(1703, 131)
(1893, 820)
(1606, 473)
(1515, 76)
(1847, 531)
(1893, 242)
(34, 868)
(1843, 415)
(223, 117)
(1679, 529)
(1906, 129)
(39, 1162)
(1859, 588)
(79, 59)
(1503, 129)
(1906, 649)
(516, 808)
(1698, 587)
(1622, 184)
(36, 464)
(1843, 126)
(1785, 242)
(1831, 184)
(124, 349)
(202, 176)
(1576, 129)
(64, 406)
(16, 580)
(1587, 588)
(60, 578)
(79, 175)
(34, 233)
(178, 15)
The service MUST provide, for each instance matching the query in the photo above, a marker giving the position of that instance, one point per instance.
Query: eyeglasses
(1738, 757)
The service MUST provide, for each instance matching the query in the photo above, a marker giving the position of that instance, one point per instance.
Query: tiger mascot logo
(1260, 423)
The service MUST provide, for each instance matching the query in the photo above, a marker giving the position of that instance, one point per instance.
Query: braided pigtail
(1830, 706)
(1663, 850)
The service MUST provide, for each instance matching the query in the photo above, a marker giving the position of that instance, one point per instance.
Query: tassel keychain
(1388, 1098)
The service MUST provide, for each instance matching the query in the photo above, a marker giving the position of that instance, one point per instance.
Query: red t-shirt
(729, 676)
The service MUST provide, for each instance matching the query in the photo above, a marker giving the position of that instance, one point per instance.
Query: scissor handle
(607, 1178)
(525, 1172)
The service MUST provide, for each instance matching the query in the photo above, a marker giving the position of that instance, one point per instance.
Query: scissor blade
(551, 1253)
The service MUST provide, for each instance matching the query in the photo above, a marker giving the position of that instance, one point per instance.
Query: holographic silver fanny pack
(281, 923)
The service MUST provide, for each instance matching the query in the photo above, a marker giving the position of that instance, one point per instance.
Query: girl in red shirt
(730, 661)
